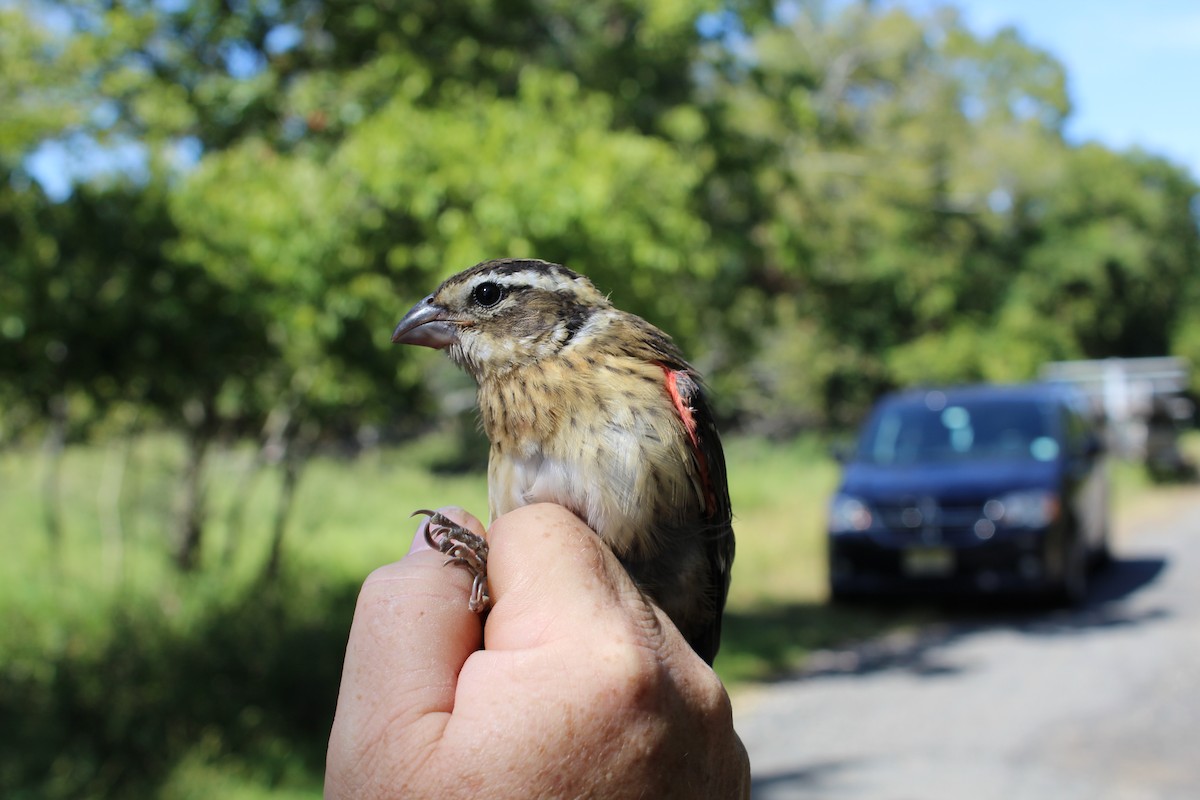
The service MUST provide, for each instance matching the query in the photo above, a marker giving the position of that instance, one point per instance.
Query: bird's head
(502, 314)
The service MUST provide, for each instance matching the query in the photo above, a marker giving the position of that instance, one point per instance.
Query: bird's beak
(427, 324)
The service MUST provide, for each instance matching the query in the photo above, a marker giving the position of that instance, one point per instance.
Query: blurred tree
(1115, 252)
(905, 184)
(108, 321)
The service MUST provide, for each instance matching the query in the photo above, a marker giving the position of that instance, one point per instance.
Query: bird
(595, 409)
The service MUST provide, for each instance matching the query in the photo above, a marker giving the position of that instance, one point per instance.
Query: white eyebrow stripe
(536, 280)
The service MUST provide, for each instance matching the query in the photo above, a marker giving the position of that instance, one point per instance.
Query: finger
(411, 633)
(550, 573)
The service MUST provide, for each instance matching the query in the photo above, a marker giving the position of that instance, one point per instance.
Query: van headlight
(1033, 508)
(849, 514)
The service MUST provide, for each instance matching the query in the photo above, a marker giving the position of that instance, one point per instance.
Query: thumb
(551, 575)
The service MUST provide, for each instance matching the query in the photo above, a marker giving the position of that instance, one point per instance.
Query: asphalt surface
(1097, 703)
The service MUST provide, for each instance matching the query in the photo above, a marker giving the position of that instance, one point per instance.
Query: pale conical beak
(427, 324)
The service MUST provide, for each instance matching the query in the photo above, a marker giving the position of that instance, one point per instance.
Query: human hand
(583, 688)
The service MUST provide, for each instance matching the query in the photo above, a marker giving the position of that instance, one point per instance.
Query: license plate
(928, 562)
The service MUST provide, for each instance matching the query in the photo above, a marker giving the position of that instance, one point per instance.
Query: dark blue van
(979, 489)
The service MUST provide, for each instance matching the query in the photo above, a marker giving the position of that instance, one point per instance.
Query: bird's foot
(465, 548)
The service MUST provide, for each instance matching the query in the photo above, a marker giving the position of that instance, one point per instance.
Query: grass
(127, 679)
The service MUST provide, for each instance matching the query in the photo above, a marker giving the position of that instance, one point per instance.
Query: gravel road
(1099, 703)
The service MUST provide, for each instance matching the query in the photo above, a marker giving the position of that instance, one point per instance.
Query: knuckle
(711, 698)
(627, 670)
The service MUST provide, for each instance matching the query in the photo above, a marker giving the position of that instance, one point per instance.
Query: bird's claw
(465, 548)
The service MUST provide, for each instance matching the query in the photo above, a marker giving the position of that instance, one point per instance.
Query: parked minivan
(980, 489)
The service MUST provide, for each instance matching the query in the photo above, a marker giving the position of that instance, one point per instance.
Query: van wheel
(1072, 586)
(1102, 556)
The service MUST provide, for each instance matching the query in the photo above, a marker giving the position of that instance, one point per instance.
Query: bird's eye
(487, 294)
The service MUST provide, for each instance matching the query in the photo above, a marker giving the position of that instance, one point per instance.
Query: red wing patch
(681, 388)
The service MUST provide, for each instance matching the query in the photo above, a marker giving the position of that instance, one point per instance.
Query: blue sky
(1133, 66)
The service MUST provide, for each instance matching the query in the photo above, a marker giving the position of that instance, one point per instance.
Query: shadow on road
(915, 648)
(925, 649)
(1124, 577)
(813, 774)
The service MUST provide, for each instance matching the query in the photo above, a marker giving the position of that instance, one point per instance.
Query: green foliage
(34, 76)
(104, 317)
(543, 174)
(249, 683)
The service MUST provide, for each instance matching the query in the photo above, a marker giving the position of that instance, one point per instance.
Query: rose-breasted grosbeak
(595, 409)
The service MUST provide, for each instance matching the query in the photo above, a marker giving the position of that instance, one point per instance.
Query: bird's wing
(688, 397)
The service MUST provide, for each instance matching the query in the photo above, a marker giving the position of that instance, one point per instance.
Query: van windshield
(933, 430)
